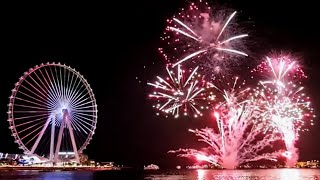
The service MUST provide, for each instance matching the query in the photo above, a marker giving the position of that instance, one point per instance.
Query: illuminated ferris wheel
(52, 109)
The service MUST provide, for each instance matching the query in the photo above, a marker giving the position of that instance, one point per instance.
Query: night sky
(110, 43)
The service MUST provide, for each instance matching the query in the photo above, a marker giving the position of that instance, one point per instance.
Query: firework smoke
(203, 36)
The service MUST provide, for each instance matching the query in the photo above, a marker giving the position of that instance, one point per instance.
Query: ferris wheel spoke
(76, 120)
(26, 117)
(66, 78)
(81, 105)
(36, 99)
(34, 93)
(79, 129)
(51, 92)
(84, 128)
(54, 83)
(29, 127)
(30, 133)
(67, 83)
(86, 107)
(75, 85)
(71, 84)
(57, 80)
(92, 110)
(83, 123)
(80, 137)
(43, 95)
(76, 93)
(74, 125)
(81, 119)
(61, 85)
(76, 88)
(80, 95)
(46, 86)
(42, 145)
(84, 117)
(31, 121)
(57, 122)
(60, 80)
(51, 86)
(77, 103)
(78, 124)
(41, 87)
(37, 135)
(31, 102)
(31, 107)
(18, 111)
(86, 114)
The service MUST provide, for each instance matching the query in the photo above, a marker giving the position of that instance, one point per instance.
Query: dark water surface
(264, 174)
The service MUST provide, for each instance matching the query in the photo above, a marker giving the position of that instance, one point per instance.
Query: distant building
(308, 164)
(10, 156)
(151, 167)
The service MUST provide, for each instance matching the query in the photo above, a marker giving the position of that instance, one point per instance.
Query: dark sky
(110, 43)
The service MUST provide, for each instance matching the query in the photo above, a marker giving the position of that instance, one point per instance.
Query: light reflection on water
(261, 174)
(67, 175)
(36, 175)
(201, 174)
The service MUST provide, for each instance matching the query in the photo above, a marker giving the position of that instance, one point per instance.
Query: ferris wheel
(52, 109)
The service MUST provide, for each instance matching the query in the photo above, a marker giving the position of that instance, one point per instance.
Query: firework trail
(181, 93)
(284, 105)
(232, 93)
(239, 138)
(199, 34)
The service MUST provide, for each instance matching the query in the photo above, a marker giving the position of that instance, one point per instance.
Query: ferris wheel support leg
(52, 139)
(35, 145)
(74, 146)
(56, 155)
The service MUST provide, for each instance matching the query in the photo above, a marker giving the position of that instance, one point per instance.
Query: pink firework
(200, 34)
(280, 69)
(183, 92)
(238, 137)
(290, 103)
(285, 111)
(232, 92)
(285, 107)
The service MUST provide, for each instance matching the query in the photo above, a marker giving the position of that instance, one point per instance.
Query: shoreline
(19, 168)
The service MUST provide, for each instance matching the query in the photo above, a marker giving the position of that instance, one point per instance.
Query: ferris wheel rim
(12, 98)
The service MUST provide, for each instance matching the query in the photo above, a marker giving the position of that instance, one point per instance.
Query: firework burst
(181, 93)
(285, 107)
(282, 93)
(286, 112)
(289, 104)
(201, 34)
(279, 70)
(247, 121)
(239, 137)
